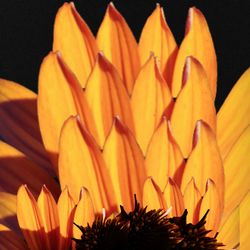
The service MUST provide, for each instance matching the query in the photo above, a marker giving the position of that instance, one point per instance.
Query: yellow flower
(119, 119)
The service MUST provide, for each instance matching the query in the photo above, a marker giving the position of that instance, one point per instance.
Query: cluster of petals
(114, 118)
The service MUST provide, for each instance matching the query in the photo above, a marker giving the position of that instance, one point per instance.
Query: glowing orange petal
(237, 175)
(73, 38)
(66, 210)
(204, 161)
(211, 201)
(29, 219)
(197, 43)
(157, 37)
(163, 158)
(125, 163)
(173, 198)
(19, 122)
(193, 103)
(49, 217)
(59, 96)
(152, 195)
(107, 97)
(16, 169)
(233, 116)
(149, 99)
(117, 42)
(85, 212)
(81, 164)
(192, 198)
(10, 240)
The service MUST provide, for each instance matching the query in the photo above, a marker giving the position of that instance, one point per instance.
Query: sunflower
(114, 118)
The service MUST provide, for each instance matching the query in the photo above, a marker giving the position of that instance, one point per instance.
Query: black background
(26, 28)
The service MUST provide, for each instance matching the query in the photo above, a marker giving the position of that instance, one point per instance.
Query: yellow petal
(49, 216)
(204, 161)
(85, 212)
(125, 163)
(173, 198)
(157, 37)
(229, 233)
(163, 157)
(211, 201)
(107, 97)
(233, 116)
(73, 38)
(19, 122)
(117, 42)
(29, 219)
(16, 169)
(237, 174)
(10, 240)
(193, 103)
(149, 99)
(192, 199)
(59, 96)
(152, 195)
(66, 210)
(197, 43)
(244, 218)
(81, 164)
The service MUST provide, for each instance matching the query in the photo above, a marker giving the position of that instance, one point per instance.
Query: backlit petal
(19, 122)
(237, 174)
(233, 116)
(193, 103)
(197, 43)
(59, 96)
(16, 169)
(163, 157)
(157, 37)
(107, 97)
(204, 161)
(81, 164)
(149, 99)
(125, 162)
(73, 38)
(117, 42)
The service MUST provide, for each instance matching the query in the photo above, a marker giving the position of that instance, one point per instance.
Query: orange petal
(66, 210)
(237, 175)
(107, 97)
(157, 37)
(19, 122)
(49, 217)
(173, 198)
(163, 157)
(85, 212)
(81, 164)
(117, 42)
(152, 195)
(125, 163)
(211, 201)
(229, 233)
(244, 227)
(73, 38)
(29, 219)
(193, 103)
(197, 43)
(192, 199)
(10, 240)
(233, 116)
(16, 169)
(59, 88)
(149, 99)
(204, 161)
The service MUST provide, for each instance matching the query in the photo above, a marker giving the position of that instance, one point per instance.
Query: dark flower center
(143, 230)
